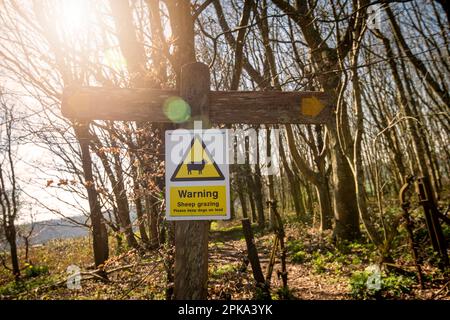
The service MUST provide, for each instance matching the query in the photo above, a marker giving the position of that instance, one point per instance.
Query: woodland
(357, 208)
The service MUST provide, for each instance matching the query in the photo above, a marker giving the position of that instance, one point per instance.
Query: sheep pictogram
(196, 166)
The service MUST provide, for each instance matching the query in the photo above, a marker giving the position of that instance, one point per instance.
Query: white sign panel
(197, 175)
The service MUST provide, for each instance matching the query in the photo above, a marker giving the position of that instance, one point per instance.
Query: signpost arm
(191, 237)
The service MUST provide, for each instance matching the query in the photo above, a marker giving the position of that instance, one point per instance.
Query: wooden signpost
(215, 107)
(258, 107)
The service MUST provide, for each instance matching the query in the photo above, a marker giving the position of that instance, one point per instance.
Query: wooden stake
(252, 252)
(191, 237)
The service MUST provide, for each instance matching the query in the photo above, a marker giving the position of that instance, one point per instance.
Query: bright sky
(33, 170)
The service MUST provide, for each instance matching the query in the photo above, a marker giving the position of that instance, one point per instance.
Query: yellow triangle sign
(197, 164)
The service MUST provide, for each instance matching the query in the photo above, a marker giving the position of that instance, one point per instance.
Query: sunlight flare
(74, 14)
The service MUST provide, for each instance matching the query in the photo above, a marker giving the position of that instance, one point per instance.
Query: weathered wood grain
(95, 103)
(258, 107)
(262, 107)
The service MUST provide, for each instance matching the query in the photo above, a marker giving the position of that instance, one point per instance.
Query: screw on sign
(217, 107)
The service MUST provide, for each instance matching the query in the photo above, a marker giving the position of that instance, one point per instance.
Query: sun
(74, 15)
(76, 23)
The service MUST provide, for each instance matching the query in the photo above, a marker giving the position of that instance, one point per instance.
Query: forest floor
(316, 268)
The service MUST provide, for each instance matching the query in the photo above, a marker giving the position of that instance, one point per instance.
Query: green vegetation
(223, 270)
(22, 288)
(358, 285)
(226, 231)
(295, 251)
(319, 264)
(32, 271)
(299, 257)
(294, 246)
(389, 286)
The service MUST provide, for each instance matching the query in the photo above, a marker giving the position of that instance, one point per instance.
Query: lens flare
(177, 110)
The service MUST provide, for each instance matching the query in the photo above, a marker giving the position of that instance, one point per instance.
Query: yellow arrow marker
(311, 106)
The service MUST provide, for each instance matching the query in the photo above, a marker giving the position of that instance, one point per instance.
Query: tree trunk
(259, 191)
(343, 187)
(134, 53)
(11, 236)
(293, 183)
(270, 178)
(140, 214)
(252, 207)
(307, 197)
(299, 201)
(325, 59)
(123, 209)
(326, 212)
(154, 226)
(242, 199)
(27, 248)
(317, 178)
(250, 190)
(252, 254)
(232, 209)
(152, 219)
(358, 172)
(99, 232)
(118, 186)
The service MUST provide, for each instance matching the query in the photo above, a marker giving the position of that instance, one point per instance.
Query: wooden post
(280, 234)
(252, 252)
(279, 240)
(273, 256)
(409, 225)
(191, 237)
(426, 199)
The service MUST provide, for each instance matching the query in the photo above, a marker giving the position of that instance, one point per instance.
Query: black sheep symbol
(196, 166)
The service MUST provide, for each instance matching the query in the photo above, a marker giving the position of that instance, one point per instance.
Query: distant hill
(47, 230)
(58, 229)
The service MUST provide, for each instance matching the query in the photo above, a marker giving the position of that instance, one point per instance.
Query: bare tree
(9, 189)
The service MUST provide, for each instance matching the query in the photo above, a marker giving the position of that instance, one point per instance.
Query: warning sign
(197, 175)
(197, 164)
(198, 201)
